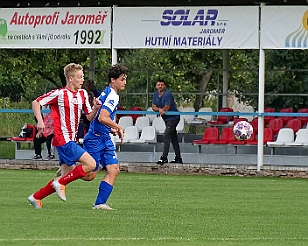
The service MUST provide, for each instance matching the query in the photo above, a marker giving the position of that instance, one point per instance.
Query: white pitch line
(147, 239)
(99, 239)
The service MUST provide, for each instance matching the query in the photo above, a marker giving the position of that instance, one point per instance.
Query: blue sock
(104, 191)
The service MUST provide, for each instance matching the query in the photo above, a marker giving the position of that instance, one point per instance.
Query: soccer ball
(242, 130)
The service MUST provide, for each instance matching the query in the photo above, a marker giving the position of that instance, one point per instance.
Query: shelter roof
(127, 3)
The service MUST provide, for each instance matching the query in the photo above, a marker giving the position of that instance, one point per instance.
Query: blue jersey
(165, 99)
(110, 102)
(97, 141)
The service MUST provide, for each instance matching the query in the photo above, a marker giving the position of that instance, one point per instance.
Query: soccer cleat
(177, 160)
(60, 189)
(37, 157)
(35, 202)
(102, 206)
(50, 157)
(162, 160)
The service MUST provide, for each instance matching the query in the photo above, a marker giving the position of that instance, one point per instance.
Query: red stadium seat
(268, 118)
(210, 134)
(303, 119)
(252, 139)
(135, 116)
(295, 124)
(254, 124)
(268, 137)
(226, 136)
(276, 125)
(222, 119)
(239, 119)
(286, 118)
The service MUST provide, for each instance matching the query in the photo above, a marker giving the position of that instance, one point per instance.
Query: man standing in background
(162, 102)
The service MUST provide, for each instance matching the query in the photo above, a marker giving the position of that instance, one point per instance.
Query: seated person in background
(42, 137)
(90, 87)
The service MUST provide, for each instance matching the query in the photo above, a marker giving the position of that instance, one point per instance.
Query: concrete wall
(176, 169)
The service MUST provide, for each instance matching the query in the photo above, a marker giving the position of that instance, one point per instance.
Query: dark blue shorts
(69, 153)
(101, 148)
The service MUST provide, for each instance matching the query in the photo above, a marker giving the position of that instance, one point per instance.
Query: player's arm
(104, 118)
(155, 108)
(166, 108)
(160, 110)
(36, 107)
(167, 103)
(95, 108)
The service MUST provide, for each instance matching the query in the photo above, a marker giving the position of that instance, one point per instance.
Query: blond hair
(71, 69)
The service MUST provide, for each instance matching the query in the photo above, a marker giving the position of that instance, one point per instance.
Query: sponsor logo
(299, 38)
(3, 27)
(211, 32)
(183, 17)
(111, 102)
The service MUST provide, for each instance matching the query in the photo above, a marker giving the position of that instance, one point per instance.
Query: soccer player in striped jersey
(97, 141)
(66, 105)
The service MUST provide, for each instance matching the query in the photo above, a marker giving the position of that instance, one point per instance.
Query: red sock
(77, 173)
(45, 191)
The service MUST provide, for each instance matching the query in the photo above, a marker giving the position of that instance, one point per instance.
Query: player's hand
(121, 135)
(97, 103)
(39, 134)
(161, 111)
(40, 126)
(114, 132)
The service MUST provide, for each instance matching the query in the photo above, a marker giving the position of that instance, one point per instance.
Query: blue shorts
(101, 148)
(69, 153)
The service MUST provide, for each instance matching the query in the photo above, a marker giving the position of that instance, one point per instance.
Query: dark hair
(90, 93)
(116, 70)
(91, 81)
(161, 81)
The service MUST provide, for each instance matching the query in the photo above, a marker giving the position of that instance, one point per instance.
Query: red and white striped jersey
(66, 107)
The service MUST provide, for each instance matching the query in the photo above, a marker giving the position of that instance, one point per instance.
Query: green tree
(25, 74)
(194, 71)
(286, 74)
(183, 70)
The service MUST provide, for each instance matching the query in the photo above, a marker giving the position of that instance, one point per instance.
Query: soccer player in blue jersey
(97, 141)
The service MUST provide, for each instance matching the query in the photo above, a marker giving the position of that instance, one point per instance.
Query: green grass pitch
(156, 210)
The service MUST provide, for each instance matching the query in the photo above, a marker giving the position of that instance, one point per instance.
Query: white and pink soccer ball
(242, 130)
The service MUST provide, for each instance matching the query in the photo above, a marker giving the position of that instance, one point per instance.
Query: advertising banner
(286, 30)
(76, 28)
(234, 27)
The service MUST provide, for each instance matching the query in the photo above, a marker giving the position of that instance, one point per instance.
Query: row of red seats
(276, 124)
(211, 136)
(285, 119)
(222, 119)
